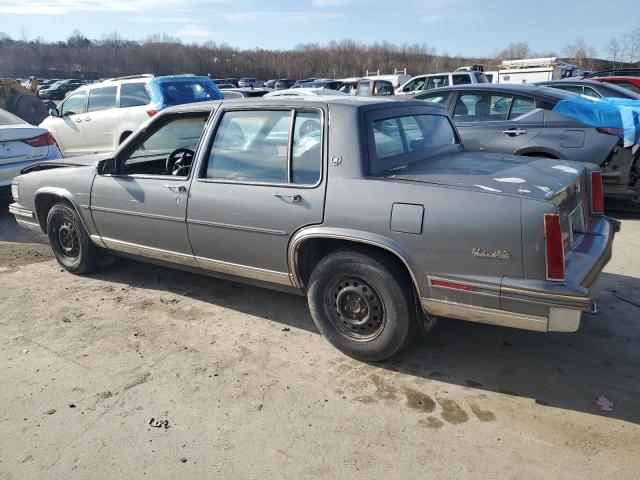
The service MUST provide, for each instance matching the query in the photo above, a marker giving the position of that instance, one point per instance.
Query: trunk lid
(13, 149)
(563, 183)
(528, 177)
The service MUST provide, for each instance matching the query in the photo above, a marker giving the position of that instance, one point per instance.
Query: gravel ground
(139, 371)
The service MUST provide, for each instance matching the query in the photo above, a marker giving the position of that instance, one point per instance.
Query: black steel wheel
(69, 242)
(363, 303)
(356, 308)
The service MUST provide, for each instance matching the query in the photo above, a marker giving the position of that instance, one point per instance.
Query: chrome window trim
(216, 119)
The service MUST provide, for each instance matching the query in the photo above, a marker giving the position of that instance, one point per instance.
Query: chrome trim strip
(234, 269)
(137, 214)
(237, 270)
(29, 225)
(512, 293)
(490, 316)
(152, 252)
(468, 283)
(236, 227)
(60, 192)
(19, 211)
(299, 237)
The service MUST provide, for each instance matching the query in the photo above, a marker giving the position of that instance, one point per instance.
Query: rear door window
(482, 108)
(363, 88)
(102, 98)
(461, 79)
(520, 106)
(437, 81)
(133, 95)
(255, 147)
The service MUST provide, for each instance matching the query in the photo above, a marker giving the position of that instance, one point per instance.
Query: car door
(261, 180)
(139, 204)
(496, 122)
(101, 119)
(68, 128)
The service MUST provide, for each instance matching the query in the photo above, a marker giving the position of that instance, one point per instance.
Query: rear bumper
(540, 305)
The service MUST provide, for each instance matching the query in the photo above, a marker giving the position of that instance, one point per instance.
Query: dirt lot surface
(139, 371)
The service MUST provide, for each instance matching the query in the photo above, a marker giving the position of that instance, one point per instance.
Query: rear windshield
(178, 92)
(410, 138)
(7, 118)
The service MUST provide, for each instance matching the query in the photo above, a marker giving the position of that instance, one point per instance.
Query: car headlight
(15, 192)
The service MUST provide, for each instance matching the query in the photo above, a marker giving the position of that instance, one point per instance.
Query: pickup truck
(371, 208)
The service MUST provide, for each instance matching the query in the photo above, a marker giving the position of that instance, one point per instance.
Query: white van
(98, 117)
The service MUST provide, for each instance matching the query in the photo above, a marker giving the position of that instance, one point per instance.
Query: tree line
(162, 54)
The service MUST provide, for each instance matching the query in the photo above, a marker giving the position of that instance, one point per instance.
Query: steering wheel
(179, 161)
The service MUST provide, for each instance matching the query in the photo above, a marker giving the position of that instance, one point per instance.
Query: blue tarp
(178, 89)
(620, 115)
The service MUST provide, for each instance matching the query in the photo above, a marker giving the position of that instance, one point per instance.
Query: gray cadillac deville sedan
(371, 208)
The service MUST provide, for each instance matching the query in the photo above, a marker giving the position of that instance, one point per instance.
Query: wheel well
(311, 251)
(123, 137)
(539, 154)
(43, 204)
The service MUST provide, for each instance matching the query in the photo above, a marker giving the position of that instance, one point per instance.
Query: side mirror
(106, 166)
(53, 111)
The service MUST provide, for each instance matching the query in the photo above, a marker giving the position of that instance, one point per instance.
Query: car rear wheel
(69, 241)
(362, 303)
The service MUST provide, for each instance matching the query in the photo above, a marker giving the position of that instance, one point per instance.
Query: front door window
(169, 150)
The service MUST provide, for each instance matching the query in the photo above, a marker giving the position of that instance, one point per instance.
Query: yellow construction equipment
(21, 101)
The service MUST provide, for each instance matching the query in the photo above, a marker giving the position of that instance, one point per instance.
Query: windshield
(7, 118)
(180, 91)
(410, 138)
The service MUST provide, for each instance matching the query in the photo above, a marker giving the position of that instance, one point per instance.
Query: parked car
(303, 82)
(232, 81)
(366, 87)
(591, 88)
(303, 92)
(21, 144)
(519, 120)
(270, 84)
(230, 93)
(379, 216)
(437, 80)
(59, 89)
(324, 83)
(630, 83)
(284, 83)
(616, 72)
(99, 117)
(249, 82)
(226, 86)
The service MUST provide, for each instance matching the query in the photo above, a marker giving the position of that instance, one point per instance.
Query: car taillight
(597, 194)
(41, 140)
(151, 113)
(555, 247)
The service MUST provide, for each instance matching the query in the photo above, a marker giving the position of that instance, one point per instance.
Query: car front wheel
(362, 303)
(69, 241)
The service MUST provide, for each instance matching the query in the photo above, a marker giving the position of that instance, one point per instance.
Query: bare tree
(515, 51)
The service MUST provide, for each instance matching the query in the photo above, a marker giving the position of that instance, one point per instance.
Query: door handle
(515, 131)
(176, 188)
(293, 198)
(87, 119)
(78, 120)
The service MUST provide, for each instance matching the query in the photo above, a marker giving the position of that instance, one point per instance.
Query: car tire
(69, 241)
(362, 303)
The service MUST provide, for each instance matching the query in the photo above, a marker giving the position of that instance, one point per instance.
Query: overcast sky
(467, 27)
